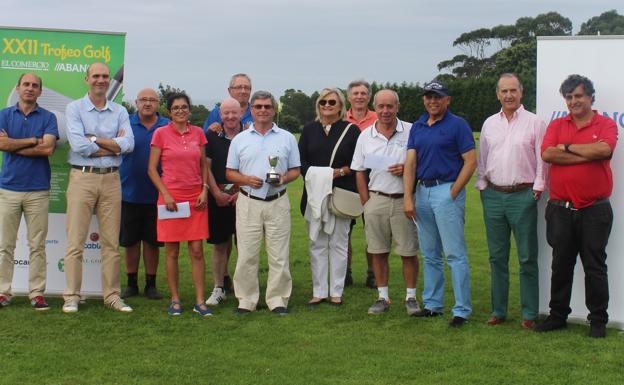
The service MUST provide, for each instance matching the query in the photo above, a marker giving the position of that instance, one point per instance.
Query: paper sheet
(184, 211)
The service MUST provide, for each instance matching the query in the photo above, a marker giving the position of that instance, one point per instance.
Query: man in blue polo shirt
(138, 194)
(28, 135)
(239, 89)
(441, 158)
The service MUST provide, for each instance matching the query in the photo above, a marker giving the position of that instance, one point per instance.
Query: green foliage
(199, 112)
(297, 109)
(608, 23)
(131, 108)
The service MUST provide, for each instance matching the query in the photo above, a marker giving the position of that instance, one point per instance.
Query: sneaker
(411, 306)
(217, 296)
(457, 322)
(4, 301)
(175, 308)
(121, 306)
(202, 310)
(130, 291)
(227, 284)
(39, 303)
(151, 292)
(379, 306)
(348, 278)
(597, 330)
(280, 310)
(551, 323)
(70, 306)
(427, 313)
(370, 280)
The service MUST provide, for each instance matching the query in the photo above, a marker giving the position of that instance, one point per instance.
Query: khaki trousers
(87, 192)
(34, 206)
(256, 220)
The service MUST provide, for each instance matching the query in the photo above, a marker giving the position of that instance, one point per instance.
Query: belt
(431, 182)
(96, 170)
(510, 189)
(392, 196)
(570, 205)
(267, 199)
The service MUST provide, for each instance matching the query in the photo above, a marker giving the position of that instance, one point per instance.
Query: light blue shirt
(84, 119)
(249, 154)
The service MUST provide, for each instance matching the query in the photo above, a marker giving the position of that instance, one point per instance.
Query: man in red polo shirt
(579, 216)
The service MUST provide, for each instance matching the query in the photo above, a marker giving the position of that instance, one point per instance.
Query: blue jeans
(441, 232)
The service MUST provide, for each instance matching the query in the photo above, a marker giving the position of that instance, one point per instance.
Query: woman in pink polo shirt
(179, 149)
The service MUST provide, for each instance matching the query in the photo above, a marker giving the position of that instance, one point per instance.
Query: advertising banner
(598, 58)
(61, 59)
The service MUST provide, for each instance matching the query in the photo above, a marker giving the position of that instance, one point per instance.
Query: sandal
(315, 301)
(202, 310)
(336, 301)
(175, 308)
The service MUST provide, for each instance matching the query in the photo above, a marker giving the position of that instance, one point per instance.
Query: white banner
(55, 251)
(599, 58)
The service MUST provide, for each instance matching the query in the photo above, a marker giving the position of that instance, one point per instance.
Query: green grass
(325, 345)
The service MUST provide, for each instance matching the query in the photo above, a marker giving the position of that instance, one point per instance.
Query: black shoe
(241, 311)
(227, 284)
(280, 310)
(551, 323)
(348, 278)
(130, 291)
(427, 313)
(370, 280)
(597, 330)
(457, 322)
(152, 293)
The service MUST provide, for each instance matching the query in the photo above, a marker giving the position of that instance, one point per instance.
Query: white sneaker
(217, 296)
(70, 306)
(121, 306)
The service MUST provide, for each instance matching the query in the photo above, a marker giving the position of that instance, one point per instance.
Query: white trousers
(328, 260)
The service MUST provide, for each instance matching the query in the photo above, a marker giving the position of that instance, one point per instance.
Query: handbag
(344, 203)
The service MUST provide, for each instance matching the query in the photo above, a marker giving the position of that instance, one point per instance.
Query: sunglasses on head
(331, 102)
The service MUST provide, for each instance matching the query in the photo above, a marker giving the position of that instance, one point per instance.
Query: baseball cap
(436, 87)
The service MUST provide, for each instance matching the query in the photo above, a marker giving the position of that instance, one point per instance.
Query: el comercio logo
(94, 237)
(61, 265)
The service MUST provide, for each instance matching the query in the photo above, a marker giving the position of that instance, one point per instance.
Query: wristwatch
(93, 139)
(342, 173)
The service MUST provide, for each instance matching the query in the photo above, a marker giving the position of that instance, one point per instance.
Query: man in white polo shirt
(381, 148)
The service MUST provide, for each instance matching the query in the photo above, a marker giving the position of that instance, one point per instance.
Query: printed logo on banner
(61, 265)
(21, 262)
(617, 116)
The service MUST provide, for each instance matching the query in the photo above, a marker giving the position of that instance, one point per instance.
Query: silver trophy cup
(273, 177)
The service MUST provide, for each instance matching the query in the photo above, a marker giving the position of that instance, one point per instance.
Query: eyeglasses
(261, 106)
(148, 100)
(331, 102)
(241, 88)
(179, 108)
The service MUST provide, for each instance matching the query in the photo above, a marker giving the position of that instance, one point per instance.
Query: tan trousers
(87, 192)
(34, 206)
(256, 220)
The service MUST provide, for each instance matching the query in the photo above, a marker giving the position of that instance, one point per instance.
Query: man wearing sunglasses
(262, 207)
(239, 89)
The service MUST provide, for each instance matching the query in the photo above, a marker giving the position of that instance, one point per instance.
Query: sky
(281, 44)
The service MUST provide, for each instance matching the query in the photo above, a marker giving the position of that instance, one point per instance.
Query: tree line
(471, 75)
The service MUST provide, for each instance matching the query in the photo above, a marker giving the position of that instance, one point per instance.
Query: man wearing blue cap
(441, 159)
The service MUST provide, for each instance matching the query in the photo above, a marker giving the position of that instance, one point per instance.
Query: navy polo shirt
(26, 173)
(439, 147)
(215, 117)
(136, 186)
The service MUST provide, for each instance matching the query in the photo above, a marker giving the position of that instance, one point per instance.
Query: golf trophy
(273, 177)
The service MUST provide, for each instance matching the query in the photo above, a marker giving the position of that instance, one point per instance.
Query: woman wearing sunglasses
(328, 244)
(179, 149)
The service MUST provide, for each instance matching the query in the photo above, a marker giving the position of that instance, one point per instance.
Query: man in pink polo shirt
(359, 94)
(512, 177)
(579, 147)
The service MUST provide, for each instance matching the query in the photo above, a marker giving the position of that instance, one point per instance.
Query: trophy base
(272, 178)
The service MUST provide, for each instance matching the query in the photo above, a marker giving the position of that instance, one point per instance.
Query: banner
(61, 59)
(598, 58)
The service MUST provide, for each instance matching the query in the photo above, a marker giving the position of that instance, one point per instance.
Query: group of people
(153, 181)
